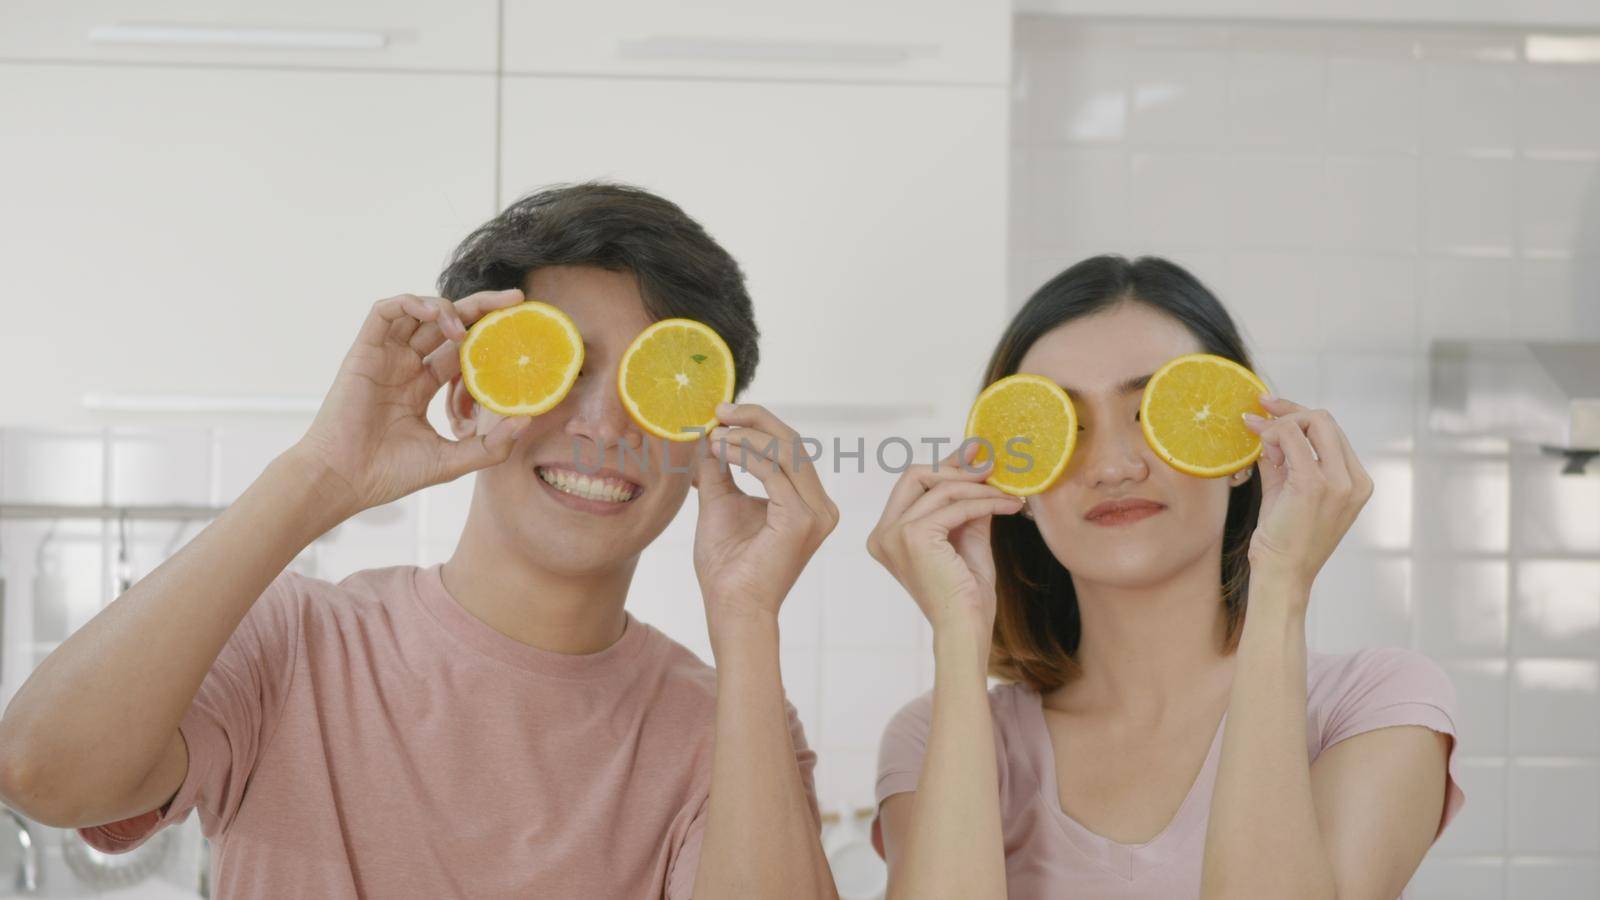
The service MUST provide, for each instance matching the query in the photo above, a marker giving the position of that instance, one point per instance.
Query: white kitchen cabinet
(869, 219)
(952, 41)
(167, 231)
(364, 34)
(1553, 14)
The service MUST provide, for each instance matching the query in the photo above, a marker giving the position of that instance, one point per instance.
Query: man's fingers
(754, 451)
(444, 363)
(469, 454)
(473, 307)
(713, 479)
(398, 315)
(792, 457)
(445, 326)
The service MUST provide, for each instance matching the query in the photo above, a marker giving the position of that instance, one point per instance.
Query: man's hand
(748, 552)
(372, 438)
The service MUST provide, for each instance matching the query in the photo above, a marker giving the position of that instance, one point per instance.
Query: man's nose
(598, 413)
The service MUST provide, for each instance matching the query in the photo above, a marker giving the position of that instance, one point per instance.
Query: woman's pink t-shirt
(372, 738)
(1049, 854)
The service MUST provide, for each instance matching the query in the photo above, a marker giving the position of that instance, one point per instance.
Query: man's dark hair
(682, 272)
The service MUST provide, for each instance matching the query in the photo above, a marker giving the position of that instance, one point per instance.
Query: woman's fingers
(953, 515)
(945, 492)
(917, 480)
(1327, 445)
(1331, 451)
(1287, 436)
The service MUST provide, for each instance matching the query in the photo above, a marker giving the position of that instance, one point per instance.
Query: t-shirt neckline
(1128, 861)
(454, 618)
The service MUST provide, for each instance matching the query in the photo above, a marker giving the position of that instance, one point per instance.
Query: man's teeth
(606, 490)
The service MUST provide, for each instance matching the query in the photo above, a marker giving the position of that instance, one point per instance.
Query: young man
(497, 725)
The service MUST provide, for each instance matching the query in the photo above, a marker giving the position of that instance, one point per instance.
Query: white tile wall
(1353, 194)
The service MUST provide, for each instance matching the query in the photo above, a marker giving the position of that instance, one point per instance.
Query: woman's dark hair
(682, 272)
(1037, 626)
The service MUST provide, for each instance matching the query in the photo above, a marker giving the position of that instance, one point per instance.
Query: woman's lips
(1127, 516)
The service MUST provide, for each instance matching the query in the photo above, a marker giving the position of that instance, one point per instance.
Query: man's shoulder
(356, 595)
(681, 672)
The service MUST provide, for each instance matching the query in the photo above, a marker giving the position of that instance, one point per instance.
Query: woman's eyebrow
(1132, 385)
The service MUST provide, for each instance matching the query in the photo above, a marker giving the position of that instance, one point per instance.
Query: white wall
(1352, 194)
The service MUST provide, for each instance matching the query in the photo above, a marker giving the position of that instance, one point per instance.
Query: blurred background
(1399, 204)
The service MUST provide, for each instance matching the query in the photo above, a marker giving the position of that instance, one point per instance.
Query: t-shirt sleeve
(1398, 686)
(686, 864)
(900, 752)
(228, 722)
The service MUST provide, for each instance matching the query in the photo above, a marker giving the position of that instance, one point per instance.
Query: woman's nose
(1112, 455)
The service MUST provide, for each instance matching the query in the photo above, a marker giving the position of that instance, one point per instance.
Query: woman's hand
(372, 434)
(1313, 487)
(933, 538)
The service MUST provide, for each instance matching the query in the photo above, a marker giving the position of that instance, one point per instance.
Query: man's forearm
(94, 717)
(761, 836)
(1262, 839)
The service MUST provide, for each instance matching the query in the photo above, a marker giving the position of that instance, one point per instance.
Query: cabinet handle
(765, 51)
(235, 36)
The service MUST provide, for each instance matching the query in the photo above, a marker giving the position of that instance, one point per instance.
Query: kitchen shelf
(89, 511)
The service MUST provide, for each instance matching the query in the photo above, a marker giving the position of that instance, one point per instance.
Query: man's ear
(461, 409)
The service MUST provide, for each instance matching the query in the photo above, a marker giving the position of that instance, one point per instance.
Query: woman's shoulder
(1350, 692)
(905, 740)
(1372, 668)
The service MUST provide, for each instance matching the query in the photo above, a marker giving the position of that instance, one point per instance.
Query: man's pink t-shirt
(1050, 854)
(373, 738)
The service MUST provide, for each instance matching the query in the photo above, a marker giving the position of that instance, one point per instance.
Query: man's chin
(572, 554)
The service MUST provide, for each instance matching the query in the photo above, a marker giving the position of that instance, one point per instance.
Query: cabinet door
(966, 41)
(870, 219)
(363, 34)
(169, 231)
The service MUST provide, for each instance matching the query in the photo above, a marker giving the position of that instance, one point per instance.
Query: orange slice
(521, 360)
(672, 377)
(1191, 415)
(1032, 408)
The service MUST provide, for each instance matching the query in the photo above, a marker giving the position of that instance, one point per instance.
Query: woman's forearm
(953, 847)
(1262, 839)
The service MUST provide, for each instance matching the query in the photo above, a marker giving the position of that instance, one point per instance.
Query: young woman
(1161, 730)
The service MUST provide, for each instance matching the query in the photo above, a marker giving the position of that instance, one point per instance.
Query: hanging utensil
(26, 853)
(124, 571)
